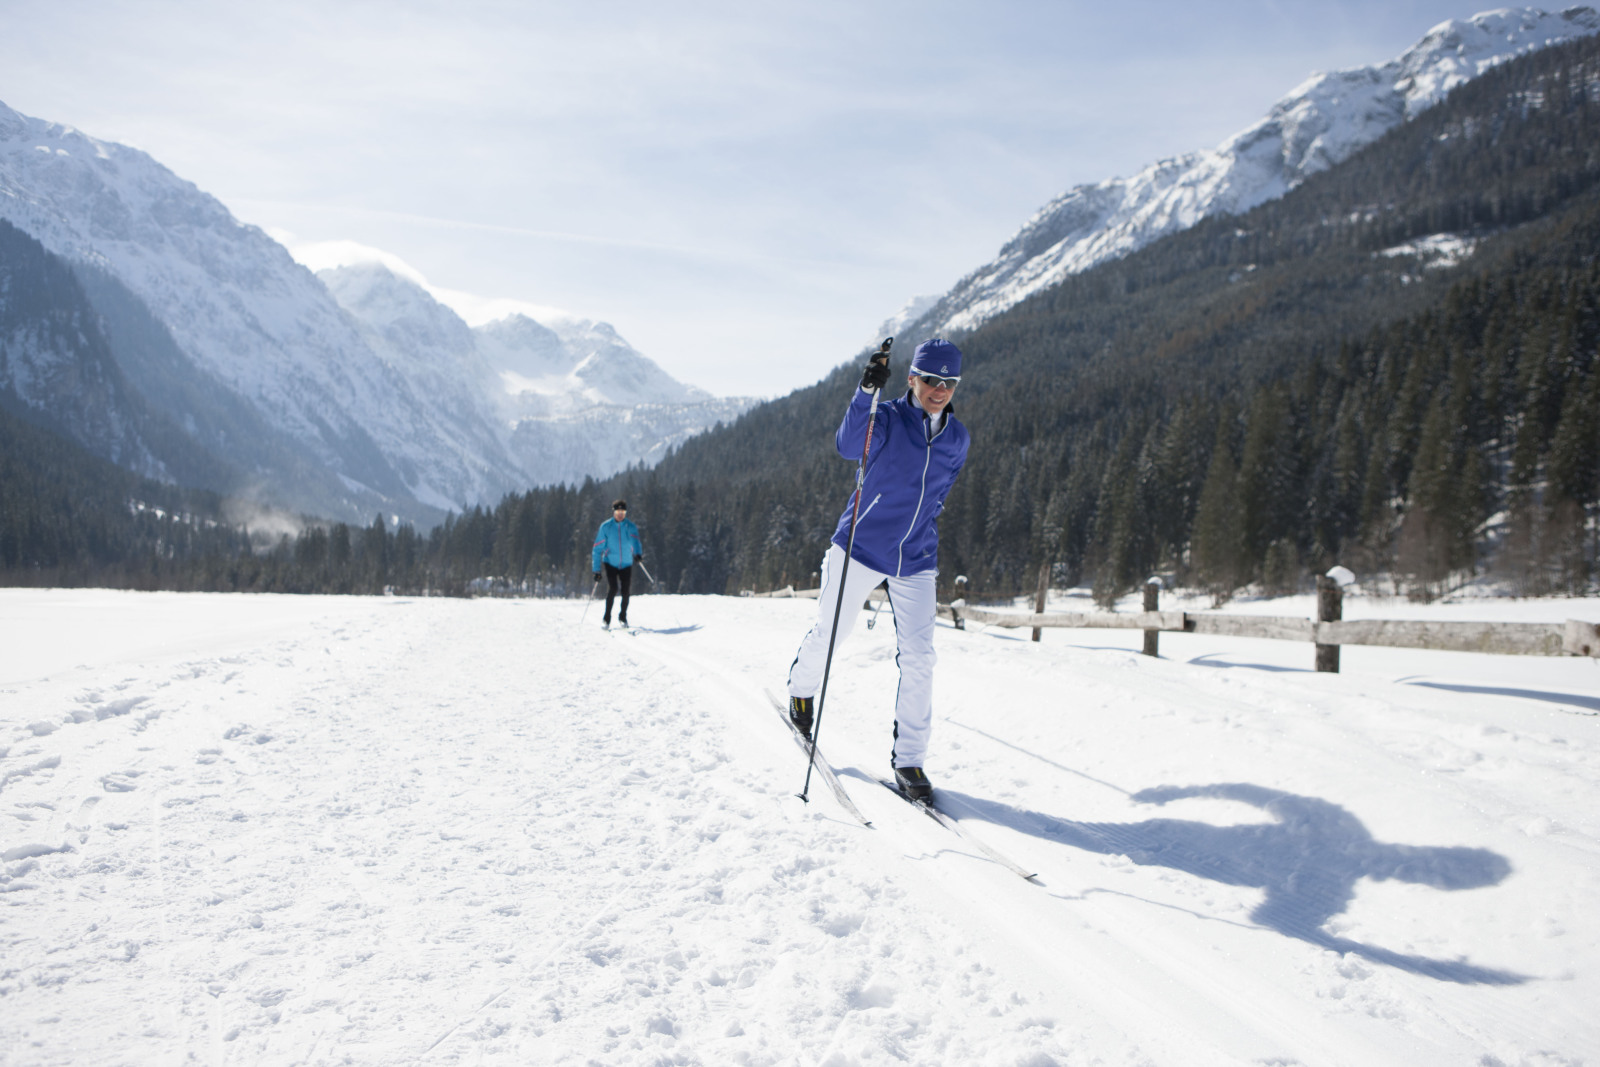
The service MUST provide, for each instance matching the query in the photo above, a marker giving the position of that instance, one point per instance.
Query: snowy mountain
(1318, 124)
(389, 393)
(559, 402)
(574, 363)
(243, 311)
(430, 349)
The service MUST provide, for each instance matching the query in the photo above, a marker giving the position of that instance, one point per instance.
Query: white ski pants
(913, 601)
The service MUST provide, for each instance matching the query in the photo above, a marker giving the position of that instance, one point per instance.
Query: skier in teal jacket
(616, 547)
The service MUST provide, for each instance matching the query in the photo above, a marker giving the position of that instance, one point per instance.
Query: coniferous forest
(1393, 367)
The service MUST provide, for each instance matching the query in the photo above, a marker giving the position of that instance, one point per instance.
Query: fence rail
(1574, 637)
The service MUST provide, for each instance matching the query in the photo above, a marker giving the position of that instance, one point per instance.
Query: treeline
(1457, 439)
(69, 518)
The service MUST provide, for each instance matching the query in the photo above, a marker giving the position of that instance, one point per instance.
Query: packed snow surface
(321, 830)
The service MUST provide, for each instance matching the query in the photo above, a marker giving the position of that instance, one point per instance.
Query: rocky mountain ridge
(1319, 123)
(404, 411)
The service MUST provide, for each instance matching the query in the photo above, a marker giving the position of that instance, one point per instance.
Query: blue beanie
(937, 357)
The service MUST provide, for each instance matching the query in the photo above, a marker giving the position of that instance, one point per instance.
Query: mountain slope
(235, 303)
(61, 369)
(55, 365)
(1315, 126)
(386, 403)
(559, 402)
(232, 447)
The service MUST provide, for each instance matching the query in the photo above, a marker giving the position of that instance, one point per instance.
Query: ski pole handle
(876, 374)
(882, 354)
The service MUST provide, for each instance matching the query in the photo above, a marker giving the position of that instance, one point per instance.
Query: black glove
(597, 576)
(876, 376)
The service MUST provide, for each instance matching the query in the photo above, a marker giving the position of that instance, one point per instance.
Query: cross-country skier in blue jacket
(918, 448)
(616, 547)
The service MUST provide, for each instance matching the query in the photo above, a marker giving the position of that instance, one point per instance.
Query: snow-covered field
(281, 830)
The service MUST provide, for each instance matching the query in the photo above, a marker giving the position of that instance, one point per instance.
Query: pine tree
(1219, 559)
(1574, 469)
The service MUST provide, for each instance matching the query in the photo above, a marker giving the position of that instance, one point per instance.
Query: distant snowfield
(320, 830)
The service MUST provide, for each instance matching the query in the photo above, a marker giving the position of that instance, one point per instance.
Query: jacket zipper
(922, 491)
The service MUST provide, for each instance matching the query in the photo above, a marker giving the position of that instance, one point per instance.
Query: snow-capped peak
(520, 346)
(1319, 123)
(580, 358)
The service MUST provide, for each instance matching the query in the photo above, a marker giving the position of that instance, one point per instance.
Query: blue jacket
(617, 543)
(908, 475)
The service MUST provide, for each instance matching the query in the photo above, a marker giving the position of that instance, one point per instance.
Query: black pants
(616, 577)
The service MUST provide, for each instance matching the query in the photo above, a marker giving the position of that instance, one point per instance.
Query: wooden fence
(1328, 632)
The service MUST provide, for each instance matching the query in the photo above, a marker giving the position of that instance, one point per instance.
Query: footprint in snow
(98, 710)
(28, 852)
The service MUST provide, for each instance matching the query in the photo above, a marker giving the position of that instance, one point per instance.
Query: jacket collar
(911, 398)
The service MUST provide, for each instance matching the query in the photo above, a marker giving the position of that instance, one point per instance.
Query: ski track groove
(909, 828)
(1448, 1008)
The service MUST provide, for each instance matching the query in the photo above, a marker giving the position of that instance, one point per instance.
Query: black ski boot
(800, 709)
(913, 783)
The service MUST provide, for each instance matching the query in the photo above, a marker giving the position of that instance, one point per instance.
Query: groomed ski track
(325, 830)
(1156, 968)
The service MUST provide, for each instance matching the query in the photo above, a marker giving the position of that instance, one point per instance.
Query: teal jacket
(617, 543)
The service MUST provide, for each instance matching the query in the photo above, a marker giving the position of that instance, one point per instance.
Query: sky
(746, 192)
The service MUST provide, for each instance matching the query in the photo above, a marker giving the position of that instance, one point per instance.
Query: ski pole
(647, 573)
(844, 571)
(874, 619)
(586, 603)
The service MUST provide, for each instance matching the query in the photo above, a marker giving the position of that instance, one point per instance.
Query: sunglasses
(933, 381)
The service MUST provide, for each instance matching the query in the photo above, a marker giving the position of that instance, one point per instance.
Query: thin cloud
(330, 248)
(473, 308)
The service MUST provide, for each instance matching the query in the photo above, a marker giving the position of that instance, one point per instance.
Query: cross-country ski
(824, 770)
(930, 807)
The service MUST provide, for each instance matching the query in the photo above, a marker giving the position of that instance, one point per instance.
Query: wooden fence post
(1038, 598)
(959, 602)
(1152, 591)
(1330, 608)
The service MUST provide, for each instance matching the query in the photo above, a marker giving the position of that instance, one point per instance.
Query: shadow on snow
(1592, 703)
(1307, 862)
